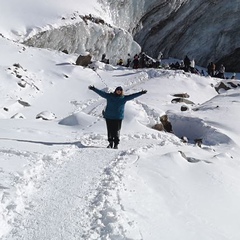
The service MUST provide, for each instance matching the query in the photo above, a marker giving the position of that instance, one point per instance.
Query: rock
(181, 95)
(226, 85)
(166, 124)
(22, 84)
(184, 139)
(177, 100)
(65, 51)
(198, 142)
(84, 60)
(180, 25)
(46, 115)
(184, 108)
(25, 104)
(158, 127)
(18, 115)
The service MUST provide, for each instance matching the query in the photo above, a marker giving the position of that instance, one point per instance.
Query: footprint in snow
(191, 159)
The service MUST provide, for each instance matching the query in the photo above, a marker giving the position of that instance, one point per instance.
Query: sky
(59, 181)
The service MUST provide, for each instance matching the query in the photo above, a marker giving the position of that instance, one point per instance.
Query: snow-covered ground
(22, 20)
(59, 181)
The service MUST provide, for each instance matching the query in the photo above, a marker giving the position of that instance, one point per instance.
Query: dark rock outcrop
(84, 60)
(166, 123)
(177, 100)
(205, 30)
(226, 85)
(193, 28)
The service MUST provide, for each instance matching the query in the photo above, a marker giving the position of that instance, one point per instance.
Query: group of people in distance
(114, 112)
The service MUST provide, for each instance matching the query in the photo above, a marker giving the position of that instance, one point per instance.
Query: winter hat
(119, 88)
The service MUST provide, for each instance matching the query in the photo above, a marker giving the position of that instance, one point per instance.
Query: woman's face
(119, 92)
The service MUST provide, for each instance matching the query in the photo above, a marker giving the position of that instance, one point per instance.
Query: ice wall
(205, 30)
(88, 36)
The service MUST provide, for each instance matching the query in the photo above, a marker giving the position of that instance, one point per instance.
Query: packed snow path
(73, 188)
(56, 210)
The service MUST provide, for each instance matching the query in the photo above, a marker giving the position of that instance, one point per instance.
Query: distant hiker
(149, 63)
(233, 76)
(182, 65)
(177, 65)
(192, 64)
(221, 72)
(120, 62)
(222, 69)
(166, 124)
(211, 69)
(160, 56)
(114, 112)
(136, 62)
(156, 64)
(104, 59)
(187, 63)
(128, 60)
(143, 60)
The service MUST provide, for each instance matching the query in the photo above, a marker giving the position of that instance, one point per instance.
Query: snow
(31, 17)
(59, 181)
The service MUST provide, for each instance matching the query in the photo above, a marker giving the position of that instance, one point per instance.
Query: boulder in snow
(158, 126)
(181, 95)
(84, 60)
(18, 115)
(179, 100)
(46, 115)
(25, 104)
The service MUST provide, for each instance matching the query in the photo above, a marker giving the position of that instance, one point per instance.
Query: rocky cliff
(205, 30)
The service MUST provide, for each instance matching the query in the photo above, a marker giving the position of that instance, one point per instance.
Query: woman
(114, 112)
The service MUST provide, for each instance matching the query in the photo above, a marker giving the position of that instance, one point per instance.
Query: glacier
(205, 30)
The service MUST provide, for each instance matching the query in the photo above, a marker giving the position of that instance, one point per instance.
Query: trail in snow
(61, 204)
(106, 214)
(62, 207)
(56, 209)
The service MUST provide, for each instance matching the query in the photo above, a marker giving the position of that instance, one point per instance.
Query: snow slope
(59, 181)
(32, 17)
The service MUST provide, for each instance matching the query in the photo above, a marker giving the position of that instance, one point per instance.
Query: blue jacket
(115, 104)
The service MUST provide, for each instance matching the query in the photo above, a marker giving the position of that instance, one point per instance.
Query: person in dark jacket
(114, 112)
(187, 64)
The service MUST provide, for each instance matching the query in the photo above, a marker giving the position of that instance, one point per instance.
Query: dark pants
(113, 130)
